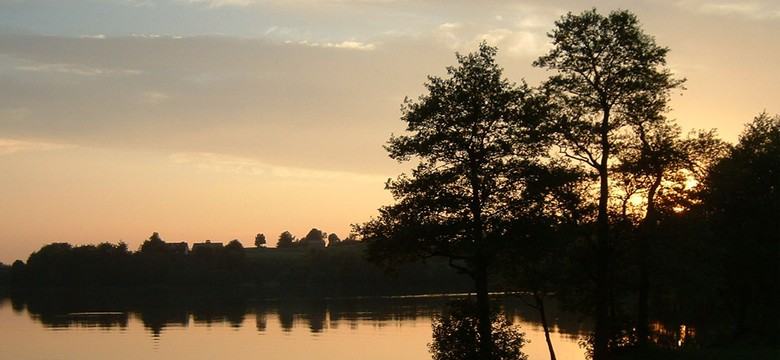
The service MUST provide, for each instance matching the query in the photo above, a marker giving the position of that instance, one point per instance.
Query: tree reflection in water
(158, 310)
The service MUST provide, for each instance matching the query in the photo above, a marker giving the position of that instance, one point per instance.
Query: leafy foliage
(260, 240)
(480, 153)
(741, 202)
(286, 239)
(610, 84)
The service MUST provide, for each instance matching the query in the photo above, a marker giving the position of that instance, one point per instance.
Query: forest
(579, 189)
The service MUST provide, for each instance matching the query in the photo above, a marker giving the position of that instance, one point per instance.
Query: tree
(607, 71)
(475, 137)
(234, 254)
(260, 240)
(740, 199)
(315, 238)
(155, 245)
(654, 175)
(285, 240)
(333, 240)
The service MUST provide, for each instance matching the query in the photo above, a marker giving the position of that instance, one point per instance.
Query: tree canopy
(610, 78)
(477, 140)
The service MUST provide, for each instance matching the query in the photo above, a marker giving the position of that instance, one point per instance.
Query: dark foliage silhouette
(455, 330)
(609, 74)
(476, 137)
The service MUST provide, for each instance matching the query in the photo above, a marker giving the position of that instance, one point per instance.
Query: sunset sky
(220, 119)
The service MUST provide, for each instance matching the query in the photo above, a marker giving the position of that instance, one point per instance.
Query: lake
(197, 326)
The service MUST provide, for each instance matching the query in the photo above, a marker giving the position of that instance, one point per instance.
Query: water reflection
(160, 310)
(197, 325)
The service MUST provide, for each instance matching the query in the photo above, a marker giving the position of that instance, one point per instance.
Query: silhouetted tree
(63, 265)
(315, 238)
(654, 175)
(475, 137)
(260, 240)
(333, 239)
(155, 260)
(607, 69)
(5, 274)
(285, 240)
(741, 202)
(51, 265)
(154, 245)
(19, 275)
(235, 246)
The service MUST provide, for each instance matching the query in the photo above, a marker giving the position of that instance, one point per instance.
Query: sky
(221, 119)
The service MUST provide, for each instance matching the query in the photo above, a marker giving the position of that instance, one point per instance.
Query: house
(207, 245)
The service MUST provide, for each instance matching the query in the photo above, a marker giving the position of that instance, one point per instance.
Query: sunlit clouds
(246, 166)
(756, 9)
(71, 69)
(11, 146)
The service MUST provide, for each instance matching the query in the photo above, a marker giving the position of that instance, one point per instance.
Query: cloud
(349, 45)
(223, 163)
(155, 97)
(72, 69)
(223, 3)
(96, 36)
(281, 3)
(12, 146)
(749, 9)
(516, 40)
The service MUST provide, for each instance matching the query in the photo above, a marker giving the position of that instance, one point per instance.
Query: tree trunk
(602, 326)
(484, 325)
(540, 306)
(646, 230)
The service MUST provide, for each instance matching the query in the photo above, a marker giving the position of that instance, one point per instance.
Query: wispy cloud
(750, 9)
(11, 146)
(155, 97)
(292, 35)
(518, 40)
(247, 166)
(72, 69)
(350, 45)
(95, 36)
(223, 3)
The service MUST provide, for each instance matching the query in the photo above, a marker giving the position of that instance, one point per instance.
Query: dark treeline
(339, 269)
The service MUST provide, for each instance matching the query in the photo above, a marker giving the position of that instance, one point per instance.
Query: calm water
(155, 326)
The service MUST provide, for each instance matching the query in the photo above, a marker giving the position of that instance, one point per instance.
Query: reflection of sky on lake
(282, 329)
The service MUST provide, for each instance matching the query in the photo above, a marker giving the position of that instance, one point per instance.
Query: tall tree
(475, 137)
(741, 201)
(656, 174)
(607, 72)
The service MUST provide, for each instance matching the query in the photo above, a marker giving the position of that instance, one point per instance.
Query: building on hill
(207, 245)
